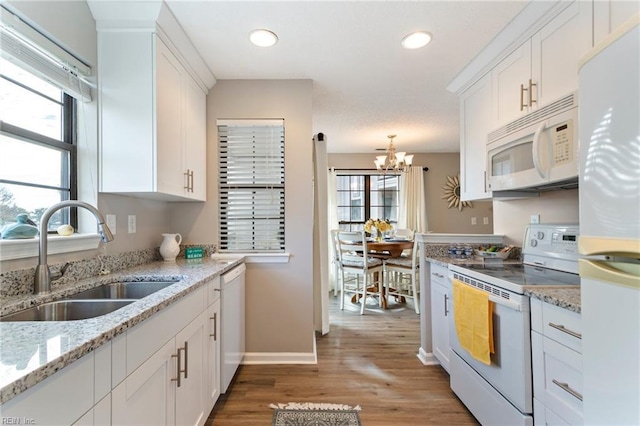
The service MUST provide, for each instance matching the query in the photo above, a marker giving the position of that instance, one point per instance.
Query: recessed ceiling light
(263, 38)
(416, 40)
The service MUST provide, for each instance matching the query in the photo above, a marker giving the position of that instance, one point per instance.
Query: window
(251, 185)
(37, 147)
(361, 197)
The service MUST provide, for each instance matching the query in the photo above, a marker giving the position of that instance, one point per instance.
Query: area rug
(314, 414)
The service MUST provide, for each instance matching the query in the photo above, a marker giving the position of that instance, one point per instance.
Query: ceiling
(365, 85)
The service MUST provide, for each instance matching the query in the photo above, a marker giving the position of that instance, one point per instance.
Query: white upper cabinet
(610, 14)
(544, 67)
(152, 103)
(153, 122)
(475, 124)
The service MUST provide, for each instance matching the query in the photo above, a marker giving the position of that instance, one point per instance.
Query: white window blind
(29, 49)
(251, 167)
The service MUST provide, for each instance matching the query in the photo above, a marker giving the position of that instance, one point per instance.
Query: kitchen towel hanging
(473, 321)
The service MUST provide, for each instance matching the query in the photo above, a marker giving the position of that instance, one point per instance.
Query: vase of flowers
(377, 227)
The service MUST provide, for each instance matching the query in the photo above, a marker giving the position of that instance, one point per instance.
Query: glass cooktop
(516, 277)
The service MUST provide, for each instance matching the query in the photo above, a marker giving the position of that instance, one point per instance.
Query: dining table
(385, 249)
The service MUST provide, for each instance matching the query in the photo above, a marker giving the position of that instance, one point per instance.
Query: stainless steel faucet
(43, 274)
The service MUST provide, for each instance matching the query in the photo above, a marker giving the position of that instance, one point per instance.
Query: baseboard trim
(258, 358)
(427, 358)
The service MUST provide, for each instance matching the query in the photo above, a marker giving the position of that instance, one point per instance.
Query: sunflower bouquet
(377, 227)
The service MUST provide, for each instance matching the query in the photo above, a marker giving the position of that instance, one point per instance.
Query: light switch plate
(132, 223)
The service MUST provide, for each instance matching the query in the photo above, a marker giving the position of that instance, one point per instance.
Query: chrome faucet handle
(60, 272)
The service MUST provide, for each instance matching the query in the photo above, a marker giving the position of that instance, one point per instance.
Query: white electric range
(502, 393)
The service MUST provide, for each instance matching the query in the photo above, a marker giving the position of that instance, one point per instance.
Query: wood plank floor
(367, 360)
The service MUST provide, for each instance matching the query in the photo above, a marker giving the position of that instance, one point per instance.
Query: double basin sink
(90, 303)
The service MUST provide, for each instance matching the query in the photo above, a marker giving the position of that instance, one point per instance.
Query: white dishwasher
(232, 323)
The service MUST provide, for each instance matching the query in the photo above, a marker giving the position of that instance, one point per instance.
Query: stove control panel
(543, 239)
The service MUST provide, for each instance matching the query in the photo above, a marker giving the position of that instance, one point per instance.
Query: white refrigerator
(609, 124)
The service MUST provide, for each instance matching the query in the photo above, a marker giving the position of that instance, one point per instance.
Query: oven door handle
(512, 305)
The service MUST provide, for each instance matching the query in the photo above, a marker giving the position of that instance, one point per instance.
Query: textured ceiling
(365, 85)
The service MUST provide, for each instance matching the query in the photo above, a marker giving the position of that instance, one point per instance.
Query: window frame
(67, 144)
(254, 180)
(356, 225)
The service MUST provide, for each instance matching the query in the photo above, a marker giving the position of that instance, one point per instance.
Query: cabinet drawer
(439, 274)
(146, 338)
(557, 323)
(558, 378)
(213, 290)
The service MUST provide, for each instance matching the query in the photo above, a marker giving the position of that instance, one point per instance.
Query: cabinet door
(147, 396)
(440, 311)
(191, 394)
(475, 124)
(556, 50)
(512, 72)
(610, 14)
(195, 151)
(213, 355)
(169, 121)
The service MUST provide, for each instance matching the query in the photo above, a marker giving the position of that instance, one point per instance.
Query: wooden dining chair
(402, 277)
(360, 275)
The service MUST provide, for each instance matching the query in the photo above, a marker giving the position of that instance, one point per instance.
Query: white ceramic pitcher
(170, 246)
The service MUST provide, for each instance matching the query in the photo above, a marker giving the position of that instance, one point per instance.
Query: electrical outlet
(111, 223)
(132, 223)
(474, 220)
(485, 220)
(535, 218)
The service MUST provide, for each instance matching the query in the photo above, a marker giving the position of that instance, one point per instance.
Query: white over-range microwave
(538, 151)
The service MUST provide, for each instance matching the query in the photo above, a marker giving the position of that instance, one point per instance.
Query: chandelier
(393, 161)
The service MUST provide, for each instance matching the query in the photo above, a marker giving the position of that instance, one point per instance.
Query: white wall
(511, 217)
(279, 298)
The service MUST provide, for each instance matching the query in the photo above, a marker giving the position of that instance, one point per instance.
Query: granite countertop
(33, 351)
(564, 297)
(567, 297)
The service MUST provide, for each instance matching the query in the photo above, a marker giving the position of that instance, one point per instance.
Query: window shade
(251, 167)
(24, 45)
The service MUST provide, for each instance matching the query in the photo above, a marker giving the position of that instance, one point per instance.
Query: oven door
(510, 369)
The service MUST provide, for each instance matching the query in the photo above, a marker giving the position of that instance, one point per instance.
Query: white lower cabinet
(170, 387)
(64, 398)
(213, 354)
(163, 371)
(557, 364)
(440, 312)
(147, 396)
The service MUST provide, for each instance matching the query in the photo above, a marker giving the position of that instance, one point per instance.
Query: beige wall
(512, 216)
(440, 218)
(279, 297)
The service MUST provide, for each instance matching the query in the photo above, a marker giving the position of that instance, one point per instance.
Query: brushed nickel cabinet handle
(531, 86)
(186, 359)
(446, 310)
(177, 366)
(523, 105)
(562, 328)
(191, 181)
(186, 175)
(215, 326)
(565, 387)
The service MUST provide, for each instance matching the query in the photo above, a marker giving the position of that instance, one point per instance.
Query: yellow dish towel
(473, 320)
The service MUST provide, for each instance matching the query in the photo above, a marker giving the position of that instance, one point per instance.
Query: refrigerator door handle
(624, 274)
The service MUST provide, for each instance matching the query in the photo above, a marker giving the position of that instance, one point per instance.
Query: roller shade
(251, 185)
(28, 48)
